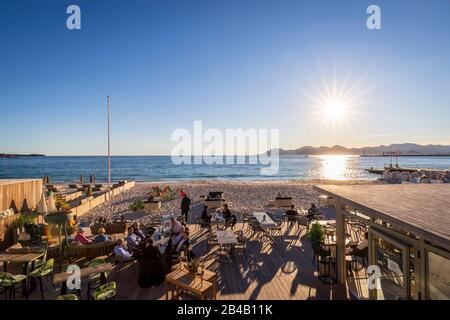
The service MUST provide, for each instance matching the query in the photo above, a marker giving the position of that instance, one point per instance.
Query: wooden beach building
(408, 237)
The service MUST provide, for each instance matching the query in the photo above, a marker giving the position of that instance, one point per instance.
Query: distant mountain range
(405, 149)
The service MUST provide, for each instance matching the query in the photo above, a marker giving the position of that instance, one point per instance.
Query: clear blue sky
(233, 64)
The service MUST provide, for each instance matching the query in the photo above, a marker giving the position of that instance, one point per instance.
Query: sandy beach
(242, 196)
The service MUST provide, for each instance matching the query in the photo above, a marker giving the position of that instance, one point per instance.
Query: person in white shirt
(132, 239)
(178, 236)
(120, 250)
(176, 226)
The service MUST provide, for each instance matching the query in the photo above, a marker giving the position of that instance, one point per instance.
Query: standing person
(185, 206)
(151, 269)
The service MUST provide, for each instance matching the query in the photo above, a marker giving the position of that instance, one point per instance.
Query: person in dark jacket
(185, 206)
(206, 218)
(151, 270)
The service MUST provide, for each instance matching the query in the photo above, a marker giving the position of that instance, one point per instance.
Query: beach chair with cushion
(97, 279)
(44, 271)
(10, 282)
(69, 296)
(105, 291)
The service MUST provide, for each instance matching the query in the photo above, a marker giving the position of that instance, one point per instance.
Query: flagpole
(109, 148)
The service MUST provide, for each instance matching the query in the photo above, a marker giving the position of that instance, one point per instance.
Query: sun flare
(336, 104)
(334, 109)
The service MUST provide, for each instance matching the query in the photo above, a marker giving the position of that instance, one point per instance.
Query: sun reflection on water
(336, 167)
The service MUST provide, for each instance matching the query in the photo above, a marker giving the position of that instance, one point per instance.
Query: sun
(335, 105)
(334, 109)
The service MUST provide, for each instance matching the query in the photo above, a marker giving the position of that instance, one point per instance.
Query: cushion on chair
(67, 297)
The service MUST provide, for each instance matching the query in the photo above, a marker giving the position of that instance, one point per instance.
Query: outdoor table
(208, 275)
(326, 223)
(183, 280)
(266, 223)
(264, 220)
(61, 278)
(167, 217)
(227, 239)
(21, 258)
(162, 243)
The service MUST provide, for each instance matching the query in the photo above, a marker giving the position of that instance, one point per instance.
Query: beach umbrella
(51, 206)
(42, 205)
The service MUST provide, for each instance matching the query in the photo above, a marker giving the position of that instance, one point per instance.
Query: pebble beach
(242, 197)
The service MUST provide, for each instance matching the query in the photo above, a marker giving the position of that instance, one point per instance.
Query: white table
(264, 220)
(167, 217)
(227, 239)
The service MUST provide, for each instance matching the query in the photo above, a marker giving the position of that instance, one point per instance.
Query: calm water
(66, 169)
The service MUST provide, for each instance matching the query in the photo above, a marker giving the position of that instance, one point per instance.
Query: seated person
(120, 250)
(205, 216)
(133, 241)
(313, 211)
(182, 243)
(226, 213)
(79, 237)
(176, 237)
(291, 214)
(176, 225)
(230, 219)
(137, 231)
(101, 237)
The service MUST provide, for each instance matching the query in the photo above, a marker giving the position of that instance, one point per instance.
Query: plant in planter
(61, 204)
(137, 205)
(316, 234)
(26, 218)
(156, 191)
(192, 265)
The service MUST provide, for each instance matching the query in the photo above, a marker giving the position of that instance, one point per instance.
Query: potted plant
(192, 265)
(316, 234)
(137, 205)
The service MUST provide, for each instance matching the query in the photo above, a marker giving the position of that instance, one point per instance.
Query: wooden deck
(283, 271)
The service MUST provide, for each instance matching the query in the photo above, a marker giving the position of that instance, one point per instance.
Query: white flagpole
(109, 149)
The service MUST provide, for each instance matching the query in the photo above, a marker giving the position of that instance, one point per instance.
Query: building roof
(422, 209)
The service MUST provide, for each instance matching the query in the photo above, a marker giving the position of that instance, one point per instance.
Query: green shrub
(316, 234)
(137, 205)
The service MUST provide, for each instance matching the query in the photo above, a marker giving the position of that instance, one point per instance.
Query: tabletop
(63, 276)
(183, 279)
(226, 237)
(264, 220)
(20, 257)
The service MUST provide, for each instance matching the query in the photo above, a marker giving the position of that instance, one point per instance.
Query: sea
(162, 168)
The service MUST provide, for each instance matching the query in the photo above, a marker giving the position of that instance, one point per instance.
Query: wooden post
(340, 243)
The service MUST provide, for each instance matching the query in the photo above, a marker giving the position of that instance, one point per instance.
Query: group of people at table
(139, 245)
